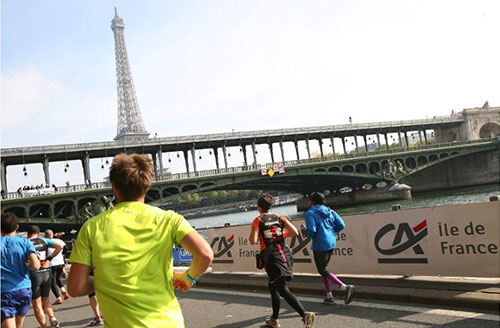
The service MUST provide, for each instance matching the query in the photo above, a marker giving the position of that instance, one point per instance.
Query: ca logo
(297, 244)
(413, 237)
(223, 249)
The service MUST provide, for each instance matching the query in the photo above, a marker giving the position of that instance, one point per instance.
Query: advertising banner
(455, 240)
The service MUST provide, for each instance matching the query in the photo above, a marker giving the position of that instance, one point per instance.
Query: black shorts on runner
(40, 283)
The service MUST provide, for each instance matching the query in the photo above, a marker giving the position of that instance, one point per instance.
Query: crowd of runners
(124, 257)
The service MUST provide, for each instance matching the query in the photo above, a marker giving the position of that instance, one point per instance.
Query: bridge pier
(224, 152)
(160, 159)
(46, 170)
(366, 144)
(320, 141)
(297, 149)
(244, 151)
(282, 151)
(343, 144)
(308, 150)
(216, 155)
(271, 151)
(155, 166)
(333, 146)
(356, 142)
(3, 177)
(254, 151)
(406, 138)
(86, 168)
(193, 156)
(186, 159)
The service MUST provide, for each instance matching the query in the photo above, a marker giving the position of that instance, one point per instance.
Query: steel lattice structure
(130, 124)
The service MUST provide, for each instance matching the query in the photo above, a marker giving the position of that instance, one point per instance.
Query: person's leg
(47, 307)
(20, 321)
(275, 299)
(290, 298)
(8, 323)
(54, 287)
(95, 306)
(38, 310)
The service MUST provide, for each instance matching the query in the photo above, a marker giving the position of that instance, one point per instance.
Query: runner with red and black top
(41, 279)
(270, 230)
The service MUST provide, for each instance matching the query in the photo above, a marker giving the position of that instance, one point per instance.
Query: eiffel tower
(130, 124)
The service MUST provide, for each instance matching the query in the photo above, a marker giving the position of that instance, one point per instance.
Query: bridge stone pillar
(86, 168)
(420, 136)
(320, 141)
(356, 142)
(271, 151)
(386, 141)
(3, 177)
(425, 137)
(333, 146)
(282, 151)
(400, 140)
(193, 156)
(366, 143)
(224, 151)
(216, 155)
(254, 151)
(160, 159)
(378, 140)
(308, 150)
(297, 149)
(406, 138)
(155, 165)
(186, 159)
(46, 170)
(343, 145)
(244, 150)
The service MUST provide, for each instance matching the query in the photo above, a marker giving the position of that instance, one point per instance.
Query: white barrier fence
(454, 240)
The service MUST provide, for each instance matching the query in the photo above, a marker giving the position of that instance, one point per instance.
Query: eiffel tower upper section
(130, 124)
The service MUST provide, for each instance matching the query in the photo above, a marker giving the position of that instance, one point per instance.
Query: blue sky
(213, 66)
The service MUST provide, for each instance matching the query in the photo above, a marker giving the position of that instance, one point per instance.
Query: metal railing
(19, 151)
(239, 169)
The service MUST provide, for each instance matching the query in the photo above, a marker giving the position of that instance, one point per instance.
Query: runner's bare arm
(79, 282)
(202, 258)
(292, 231)
(254, 236)
(34, 262)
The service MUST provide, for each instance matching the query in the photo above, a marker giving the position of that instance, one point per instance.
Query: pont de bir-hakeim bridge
(394, 151)
(332, 170)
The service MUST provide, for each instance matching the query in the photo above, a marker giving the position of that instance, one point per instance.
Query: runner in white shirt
(56, 267)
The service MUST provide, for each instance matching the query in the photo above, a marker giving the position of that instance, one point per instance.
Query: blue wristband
(193, 281)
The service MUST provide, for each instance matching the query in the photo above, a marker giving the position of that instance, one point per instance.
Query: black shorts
(40, 283)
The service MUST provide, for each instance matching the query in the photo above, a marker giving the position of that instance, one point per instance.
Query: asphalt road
(206, 308)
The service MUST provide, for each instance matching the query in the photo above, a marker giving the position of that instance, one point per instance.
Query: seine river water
(430, 199)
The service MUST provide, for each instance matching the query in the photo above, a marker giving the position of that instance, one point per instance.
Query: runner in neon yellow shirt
(130, 247)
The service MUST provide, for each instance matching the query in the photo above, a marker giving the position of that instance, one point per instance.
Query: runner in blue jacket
(322, 225)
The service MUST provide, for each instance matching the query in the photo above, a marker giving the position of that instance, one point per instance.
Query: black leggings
(321, 258)
(279, 287)
(57, 281)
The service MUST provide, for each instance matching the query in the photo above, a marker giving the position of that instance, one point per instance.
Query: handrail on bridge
(238, 169)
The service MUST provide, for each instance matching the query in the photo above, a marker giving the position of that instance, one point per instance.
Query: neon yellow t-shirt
(130, 247)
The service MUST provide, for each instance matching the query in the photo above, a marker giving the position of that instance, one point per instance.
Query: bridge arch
(40, 210)
(82, 202)
(489, 130)
(410, 162)
(189, 188)
(334, 169)
(433, 157)
(64, 209)
(320, 170)
(347, 168)
(361, 168)
(152, 195)
(19, 211)
(170, 191)
(374, 167)
(422, 160)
